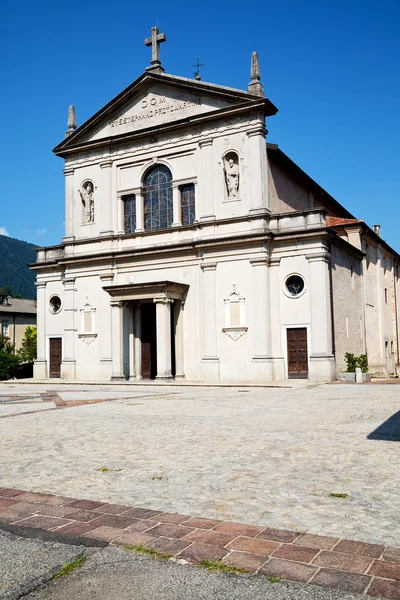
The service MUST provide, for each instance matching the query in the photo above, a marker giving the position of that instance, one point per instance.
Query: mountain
(14, 257)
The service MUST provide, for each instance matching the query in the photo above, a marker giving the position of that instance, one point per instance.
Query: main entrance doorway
(149, 340)
(55, 357)
(297, 353)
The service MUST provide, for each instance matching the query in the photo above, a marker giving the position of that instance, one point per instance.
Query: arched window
(157, 187)
(187, 204)
(129, 213)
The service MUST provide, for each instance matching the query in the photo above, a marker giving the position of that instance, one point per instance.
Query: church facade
(196, 250)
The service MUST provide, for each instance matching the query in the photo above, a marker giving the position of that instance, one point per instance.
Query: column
(132, 362)
(107, 200)
(260, 309)
(40, 366)
(69, 205)
(258, 170)
(206, 203)
(163, 333)
(139, 211)
(68, 367)
(116, 340)
(275, 328)
(209, 315)
(138, 340)
(176, 200)
(321, 356)
(179, 374)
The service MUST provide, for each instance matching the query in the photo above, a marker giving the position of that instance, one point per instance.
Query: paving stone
(60, 511)
(86, 504)
(77, 528)
(214, 538)
(198, 551)
(239, 529)
(392, 554)
(79, 514)
(202, 523)
(286, 569)
(141, 525)
(105, 534)
(115, 521)
(173, 518)
(347, 582)
(6, 502)
(383, 568)
(11, 493)
(142, 513)
(112, 509)
(344, 562)
(359, 548)
(297, 553)
(34, 497)
(244, 560)
(254, 545)
(382, 588)
(133, 538)
(169, 546)
(278, 535)
(321, 542)
(41, 522)
(171, 531)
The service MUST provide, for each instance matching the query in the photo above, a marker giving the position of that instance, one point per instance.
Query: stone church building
(195, 249)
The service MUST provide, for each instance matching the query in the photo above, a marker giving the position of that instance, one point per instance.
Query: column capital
(40, 286)
(69, 281)
(116, 303)
(206, 142)
(68, 171)
(260, 262)
(259, 130)
(208, 266)
(163, 300)
(106, 164)
(323, 256)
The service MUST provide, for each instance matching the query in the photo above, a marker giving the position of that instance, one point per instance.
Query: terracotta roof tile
(337, 221)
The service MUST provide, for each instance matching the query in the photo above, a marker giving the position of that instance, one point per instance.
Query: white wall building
(193, 249)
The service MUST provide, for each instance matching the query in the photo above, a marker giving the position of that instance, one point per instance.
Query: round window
(295, 285)
(55, 304)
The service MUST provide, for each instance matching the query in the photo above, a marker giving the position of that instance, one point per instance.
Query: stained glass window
(129, 213)
(187, 204)
(157, 187)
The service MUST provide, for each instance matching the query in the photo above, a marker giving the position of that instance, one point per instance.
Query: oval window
(55, 304)
(295, 285)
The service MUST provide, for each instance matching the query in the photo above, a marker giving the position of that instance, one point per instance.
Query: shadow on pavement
(389, 430)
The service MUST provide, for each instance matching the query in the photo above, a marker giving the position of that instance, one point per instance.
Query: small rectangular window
(386, 296)
(352, 276)
(188, 214)
(5, 328)
(129, 213)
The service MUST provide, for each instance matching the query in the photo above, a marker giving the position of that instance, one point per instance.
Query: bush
(356, 361)
(9, 365)
(27, 352)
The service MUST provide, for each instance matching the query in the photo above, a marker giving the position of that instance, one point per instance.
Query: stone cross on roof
(154, 41)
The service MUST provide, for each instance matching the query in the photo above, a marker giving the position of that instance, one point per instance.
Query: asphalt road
(27, 566)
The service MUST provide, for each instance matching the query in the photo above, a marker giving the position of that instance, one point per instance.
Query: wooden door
(297, 353)
(146, 360)
(55, 357)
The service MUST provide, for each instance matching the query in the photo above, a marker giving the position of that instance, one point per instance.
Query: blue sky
(332, 69)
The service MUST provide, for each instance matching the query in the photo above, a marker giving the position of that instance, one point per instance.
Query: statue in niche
(87, 197)
(231, 170)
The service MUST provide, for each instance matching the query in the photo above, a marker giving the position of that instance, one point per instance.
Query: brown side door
(297, 353)
(146, 360)
(55, 357)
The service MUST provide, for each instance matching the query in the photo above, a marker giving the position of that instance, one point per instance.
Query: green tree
(5, 290)
(9, 362)
(27, 352)
(6, 345)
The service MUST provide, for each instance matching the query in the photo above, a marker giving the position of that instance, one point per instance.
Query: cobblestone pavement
(268, 457)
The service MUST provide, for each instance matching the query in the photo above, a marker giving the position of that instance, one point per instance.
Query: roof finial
(197, 71)
(154, 41)
(71, 120)
(255, 86)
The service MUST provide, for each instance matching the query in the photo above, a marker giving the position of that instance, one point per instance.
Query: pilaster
(258, 170)
(163, 334)
(68, 366)
(139, 211)
(176, 200)
(69, 205)
(107, 195)
(117, 341)
(275, 328)
(178, 314)
(40, 369)
(205, 180)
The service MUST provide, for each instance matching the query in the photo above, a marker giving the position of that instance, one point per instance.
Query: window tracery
(158, 206)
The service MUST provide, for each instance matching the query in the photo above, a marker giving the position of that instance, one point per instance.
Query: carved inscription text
(155, 106)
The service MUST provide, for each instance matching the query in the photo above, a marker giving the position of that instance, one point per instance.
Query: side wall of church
(286, 194)
(347, 297)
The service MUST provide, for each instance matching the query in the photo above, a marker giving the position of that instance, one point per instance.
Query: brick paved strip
(86, 504)
(7, 493)
(112, 509)
(77, 528)
(115, 521)
(79, 514)
(169, 546)
(131, 538)
(5, 502)
(142, 513)
(385, 589)
(174, 518)
(105, 534)
(40, 522)
(201, 523)
(297, 553)
(215, 538)
(343, 562)
(141, 525)
(347, 582)
(244, 560)
(392, 554)
(239, 529)
(288, 570)
(171, 531)
(383, 568)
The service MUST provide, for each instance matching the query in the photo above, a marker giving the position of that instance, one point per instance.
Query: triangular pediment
(155, 101)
